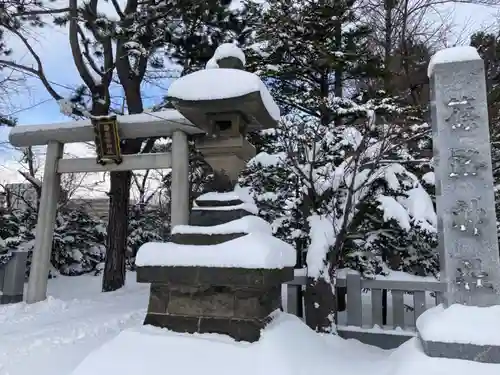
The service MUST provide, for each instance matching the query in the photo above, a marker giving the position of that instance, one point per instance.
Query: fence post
(291, 299)
(354, 302)
(398, 309)
(419, 304)
(2, 276)
(377, 308)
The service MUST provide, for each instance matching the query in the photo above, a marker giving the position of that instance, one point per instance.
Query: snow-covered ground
(81, 331)
(52, 337)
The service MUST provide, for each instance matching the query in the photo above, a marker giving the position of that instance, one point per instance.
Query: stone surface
(5, 299)
(213, 276)
(206, 218)
(234, 301)
(239, 329)
(240, 312)
(468, 242)
(230, 62)
(204, 239)
(214, 301)
(214, 203)
(220, 183)
(12, 277)
(199, 112)
(471, 352)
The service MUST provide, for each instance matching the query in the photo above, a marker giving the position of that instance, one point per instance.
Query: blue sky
(54, 50)
(52, 45)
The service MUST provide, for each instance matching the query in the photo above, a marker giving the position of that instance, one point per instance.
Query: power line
(37, 77)
(30, 107)
(72, 88)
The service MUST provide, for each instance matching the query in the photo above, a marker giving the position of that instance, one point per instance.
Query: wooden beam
(406, 285)
(129, 163)
(143, 125)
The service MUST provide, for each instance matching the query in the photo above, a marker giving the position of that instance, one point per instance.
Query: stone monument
(468, 247)
(223, 273)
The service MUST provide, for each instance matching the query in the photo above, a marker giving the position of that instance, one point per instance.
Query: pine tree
(146, 225)
(78, 245)
(198, 28)
(307, 50)
(305, 170)
(310, 53)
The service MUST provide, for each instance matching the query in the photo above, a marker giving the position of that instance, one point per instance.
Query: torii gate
(141, 126)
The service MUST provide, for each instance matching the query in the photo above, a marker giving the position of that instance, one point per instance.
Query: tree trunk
(320, 305)
(119, 194)
(388, 5)
(119, 197)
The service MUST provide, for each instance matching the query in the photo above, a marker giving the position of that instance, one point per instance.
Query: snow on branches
(353, 177)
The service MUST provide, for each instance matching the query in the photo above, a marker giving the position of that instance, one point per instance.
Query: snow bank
(250, 207)
(376, 329)
(461, 324)
(453, 54)
(287, 347)
(255, 250)
(229, 50)
(52, 337)
(82, 336)
(247, 224)
(212, 84)
(239, 194)
(341, 273)
(410, 359)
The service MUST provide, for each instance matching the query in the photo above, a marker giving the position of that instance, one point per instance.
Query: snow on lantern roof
(214, 84)
(229, 50)
(211, 64)
(241, 194)
(246, 224)
(256, 250)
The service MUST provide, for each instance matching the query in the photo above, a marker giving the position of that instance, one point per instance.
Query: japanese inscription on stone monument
(465, 162)
(468, 217)
(464, 184)
(462, 116)
(470, 274)
(465, 201)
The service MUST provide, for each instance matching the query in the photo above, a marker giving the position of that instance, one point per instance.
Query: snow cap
(228, 55)
(453, 54)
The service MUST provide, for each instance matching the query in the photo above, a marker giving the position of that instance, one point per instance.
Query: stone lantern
(223, 272)
(227, 102)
